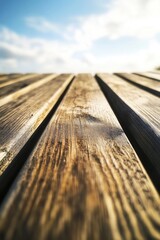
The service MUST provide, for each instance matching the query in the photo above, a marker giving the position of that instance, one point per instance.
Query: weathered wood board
(142, 82)
(67, 168)
(139, 111)
(28, 88)
(6, 77)
(19, 119)
(17, 79)
(83, 180)
(151, 75)
(15, 86)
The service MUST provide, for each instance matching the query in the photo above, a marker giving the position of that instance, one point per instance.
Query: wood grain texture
(4, 78)
(139, 112)
(83, 180)
(19, 119)
(142, 82)
(13, 96)
(16, 79)
(152, 75)
(16, 86)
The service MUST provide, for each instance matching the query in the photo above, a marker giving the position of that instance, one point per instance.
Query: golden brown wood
(8, 77)
(140, 114)
(152, 75)
(19, 119)
(3, 74)
(16, 86)
(143, 82)
(83, 180)
(18, 78)
(27, 89)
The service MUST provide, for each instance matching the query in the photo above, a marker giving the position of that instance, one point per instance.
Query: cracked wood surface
(140, 112)
(83, 180)
(145, 83)
(26, 89)
(19, 119)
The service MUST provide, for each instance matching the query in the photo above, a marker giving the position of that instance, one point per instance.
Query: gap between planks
(83, 180)
(142, 82)
(15, 87)
(139, 114)
(151, 75)
(11, 172)
(25, 118)
(6, 77)
(14, 96)
(16, 79)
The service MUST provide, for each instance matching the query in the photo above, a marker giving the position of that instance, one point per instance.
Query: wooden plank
(83, 179)
(151, 75)
(139, 112)
(142, 82)
(7, 77)
(14, 87)
(4, 76)
(17, 79)
(25, 90)
(154, 71)
(19, 119)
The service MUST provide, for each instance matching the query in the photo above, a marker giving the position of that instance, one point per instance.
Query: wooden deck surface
(80, 156)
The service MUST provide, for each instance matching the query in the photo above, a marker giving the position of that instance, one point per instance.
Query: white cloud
(39, 55)
(36, 54)
(135, 19)
(142, 60)
(42, 25)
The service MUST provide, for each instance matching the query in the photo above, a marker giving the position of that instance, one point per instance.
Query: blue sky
(79, 36)
(13, 12)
